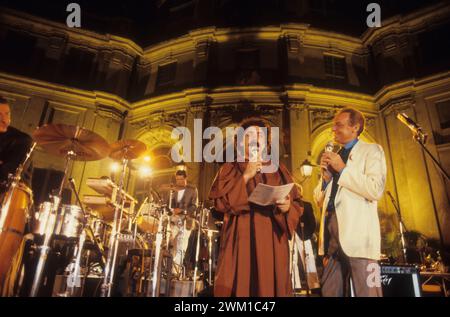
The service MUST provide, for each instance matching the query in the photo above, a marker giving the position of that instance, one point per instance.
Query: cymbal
(165, 187)
(168, 187)
(59, 139)
(127, 149)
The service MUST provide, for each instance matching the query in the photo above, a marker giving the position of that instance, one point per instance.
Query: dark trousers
(339, 269)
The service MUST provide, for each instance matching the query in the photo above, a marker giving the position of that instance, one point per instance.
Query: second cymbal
(127, 149)
(60, 139)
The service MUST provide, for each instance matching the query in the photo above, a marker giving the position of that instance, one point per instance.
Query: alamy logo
(239, 145)
(74, 18)
(374, 18)
(374, 278)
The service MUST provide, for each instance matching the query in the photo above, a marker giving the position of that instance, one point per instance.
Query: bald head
(5, 115)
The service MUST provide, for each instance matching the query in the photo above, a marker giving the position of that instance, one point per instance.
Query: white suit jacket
(361, 185)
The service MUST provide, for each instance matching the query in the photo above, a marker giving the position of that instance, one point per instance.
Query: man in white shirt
(352, 182)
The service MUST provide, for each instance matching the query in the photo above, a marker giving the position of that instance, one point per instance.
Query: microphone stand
(304, 264)
(402, 227)
(420, 138)
(421, 142)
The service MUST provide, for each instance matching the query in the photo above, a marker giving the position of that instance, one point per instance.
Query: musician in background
(184, 205)
(14, 145)
(185, 197)
(352, 182)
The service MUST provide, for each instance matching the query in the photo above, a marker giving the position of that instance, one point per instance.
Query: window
(78, 67)
(335, 66)
(443, 111)
(17, 52)
(182, 9)
(247, 59)
(166, 75)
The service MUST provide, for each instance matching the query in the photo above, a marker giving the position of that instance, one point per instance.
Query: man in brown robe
(254, 250)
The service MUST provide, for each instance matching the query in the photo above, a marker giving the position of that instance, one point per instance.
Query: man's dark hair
(181, 173)
(3, 101)
(355, 117)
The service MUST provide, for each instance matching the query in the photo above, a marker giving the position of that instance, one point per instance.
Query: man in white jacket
(352, 182)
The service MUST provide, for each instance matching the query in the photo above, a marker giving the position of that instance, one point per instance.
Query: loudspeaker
(400, 281)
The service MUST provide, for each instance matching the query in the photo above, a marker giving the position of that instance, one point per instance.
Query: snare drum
(148, 221)
(13, 218)
(67, 226)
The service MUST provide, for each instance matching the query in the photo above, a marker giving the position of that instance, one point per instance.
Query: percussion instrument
(68, 223)
(127, 149)
(60, 139)
(13, 218)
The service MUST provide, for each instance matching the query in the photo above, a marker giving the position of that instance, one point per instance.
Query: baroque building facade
(294, 75)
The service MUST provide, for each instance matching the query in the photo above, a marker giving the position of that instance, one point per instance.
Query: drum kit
(128, 251)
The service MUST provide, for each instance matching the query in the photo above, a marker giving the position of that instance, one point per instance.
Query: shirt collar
(350, 144)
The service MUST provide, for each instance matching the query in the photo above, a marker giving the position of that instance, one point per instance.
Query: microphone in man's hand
(329, 147)
(255, 156)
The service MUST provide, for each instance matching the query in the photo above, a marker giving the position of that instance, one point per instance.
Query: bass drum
(15, 212)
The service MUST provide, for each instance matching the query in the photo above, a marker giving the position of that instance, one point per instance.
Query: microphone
(254, 156)
(329, 147)
(414, 127)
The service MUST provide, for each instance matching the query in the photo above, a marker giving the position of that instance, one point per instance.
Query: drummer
(185, 197)
(184, 205)
(14, 145)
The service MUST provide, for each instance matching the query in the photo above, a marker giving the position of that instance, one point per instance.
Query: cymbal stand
(44, 249)
(180, 241)
(74, 278)
(156, 272)
(197, 252)
(113, 244)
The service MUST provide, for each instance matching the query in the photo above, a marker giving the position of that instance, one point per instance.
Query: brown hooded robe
(254, 250)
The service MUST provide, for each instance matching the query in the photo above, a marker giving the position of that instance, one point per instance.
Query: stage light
(115, 167)
(145, 171)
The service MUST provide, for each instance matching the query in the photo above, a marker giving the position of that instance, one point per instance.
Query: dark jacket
(14, 146)
(188, 201)
(308, 220)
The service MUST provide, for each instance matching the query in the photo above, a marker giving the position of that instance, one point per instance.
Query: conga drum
(14, 214)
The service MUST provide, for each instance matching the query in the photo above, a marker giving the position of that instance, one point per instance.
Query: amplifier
(400, 281)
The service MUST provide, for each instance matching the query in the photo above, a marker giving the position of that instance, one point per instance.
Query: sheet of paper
(264, 195)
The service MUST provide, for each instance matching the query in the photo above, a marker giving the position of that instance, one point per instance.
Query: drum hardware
(197, 253)
(124, 150)
(74, 268)
(156, 272)
(50, 229)
(74, 143)
(15, 203)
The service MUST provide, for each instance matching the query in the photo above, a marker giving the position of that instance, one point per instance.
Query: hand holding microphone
(326, 175)
(254, 164)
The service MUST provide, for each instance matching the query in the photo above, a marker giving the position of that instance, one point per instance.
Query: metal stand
(113, 245)
(421, 140)
(50, 229)
(402, 227)
(157, 262)
(293, 252)
(197, 253)
(304, 261)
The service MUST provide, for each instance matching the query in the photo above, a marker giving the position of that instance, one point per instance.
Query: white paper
(264, 195)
